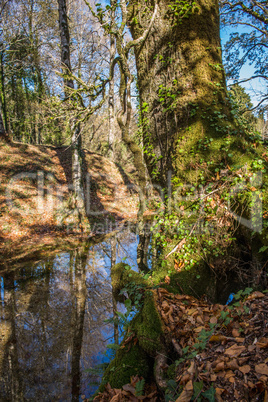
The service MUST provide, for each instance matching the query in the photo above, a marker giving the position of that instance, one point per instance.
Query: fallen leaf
(240, 340)
(255, 295)
(217, 338)
(235, 350)
(167, 280)
(261, 368)
(235, 333)
(129, 388)
(245, 369)
(262, 343)
(213, 320)
(187, 393)
(232, 365)
(220, 366)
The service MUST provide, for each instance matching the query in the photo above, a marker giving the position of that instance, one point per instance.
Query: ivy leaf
(210, 394)
(128, 303)
(198, 386)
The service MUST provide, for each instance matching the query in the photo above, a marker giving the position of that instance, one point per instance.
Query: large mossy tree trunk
(191, 139)
(182, 88)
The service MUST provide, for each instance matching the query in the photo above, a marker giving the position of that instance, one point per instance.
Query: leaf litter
(220, 352)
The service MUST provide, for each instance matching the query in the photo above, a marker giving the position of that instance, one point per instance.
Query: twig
(182, 242)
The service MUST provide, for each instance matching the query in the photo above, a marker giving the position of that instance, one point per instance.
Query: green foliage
(241, 105)
(139, 388)
(182, 9)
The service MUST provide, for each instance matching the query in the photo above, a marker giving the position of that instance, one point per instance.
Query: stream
(53, 333)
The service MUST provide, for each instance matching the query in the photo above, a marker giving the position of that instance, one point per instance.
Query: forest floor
(220, 353)
(36, 215)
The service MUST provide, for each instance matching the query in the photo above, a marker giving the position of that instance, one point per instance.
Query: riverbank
(35, 211)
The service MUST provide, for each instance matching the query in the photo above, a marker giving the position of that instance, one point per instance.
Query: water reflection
(52, 321)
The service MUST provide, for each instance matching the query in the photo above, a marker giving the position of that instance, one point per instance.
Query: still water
(52, 313)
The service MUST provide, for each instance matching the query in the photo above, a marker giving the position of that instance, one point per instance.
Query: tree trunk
(68, 86)
(3, 133)
(65, 45)
(111, 137)
(182, 88)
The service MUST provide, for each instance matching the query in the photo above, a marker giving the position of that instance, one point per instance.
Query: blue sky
(254, 86)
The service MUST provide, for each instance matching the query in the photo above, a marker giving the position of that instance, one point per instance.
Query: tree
(241, 103)
(193, 144)
(68, 87)
(182, 89)
(250, 43)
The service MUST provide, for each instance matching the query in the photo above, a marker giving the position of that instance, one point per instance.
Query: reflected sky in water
(52, 322)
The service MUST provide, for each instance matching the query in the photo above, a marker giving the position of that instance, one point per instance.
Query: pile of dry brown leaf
(216, 347)
(128, 393)
(220, 346)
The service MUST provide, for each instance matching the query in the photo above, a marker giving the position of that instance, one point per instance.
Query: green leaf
(263, 249)
(172, 385)
(113, 346)
(198, 386)
(128, 303)
(210, 394)
(139, 387)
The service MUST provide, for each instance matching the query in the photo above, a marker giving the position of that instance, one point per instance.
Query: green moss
(122, 275)
(196, 281)
(127, 363)
(148, 327)
(171, 372)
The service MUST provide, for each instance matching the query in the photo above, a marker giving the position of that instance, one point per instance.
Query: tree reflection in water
(52, 321)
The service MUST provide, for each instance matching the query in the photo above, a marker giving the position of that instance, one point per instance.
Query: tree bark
(111, 137)
(3, 133)
(181, 85)
(68, 86)
(65, 45)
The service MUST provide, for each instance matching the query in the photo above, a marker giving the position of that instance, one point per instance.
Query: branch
(247, 10)
(142, 39)
(249, 79)
(258, 105)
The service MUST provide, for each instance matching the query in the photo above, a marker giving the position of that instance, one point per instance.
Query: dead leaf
(234, 351)
(232, 365)
(240, 340)
(187, 393)
(262, 343)
(220, 366)
(213, 320)
(261, 368)
(129, 388)
(255, 295)
(167, 280)
(217, 338)
(235, 333)
(245, 369)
